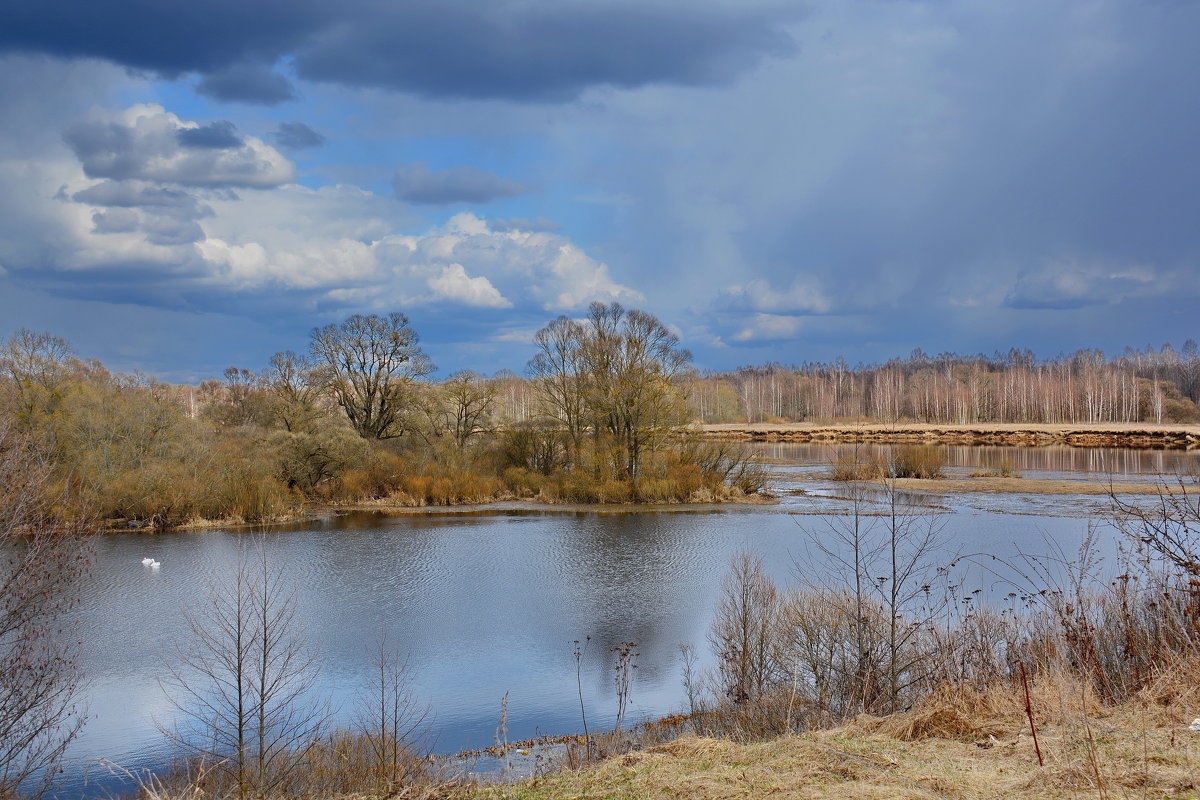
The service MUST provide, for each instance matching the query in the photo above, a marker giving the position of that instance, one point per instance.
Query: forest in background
(601, 415)
(1158, 386)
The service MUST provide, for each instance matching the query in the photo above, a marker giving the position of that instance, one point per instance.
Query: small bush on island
(849, 468)
(920, 461)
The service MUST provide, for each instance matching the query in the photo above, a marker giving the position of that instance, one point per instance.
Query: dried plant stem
(1029, 713)
(579, 685)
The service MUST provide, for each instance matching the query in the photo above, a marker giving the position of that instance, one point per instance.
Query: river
(488, 602)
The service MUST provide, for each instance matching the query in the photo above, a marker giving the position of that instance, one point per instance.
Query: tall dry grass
(821, 655)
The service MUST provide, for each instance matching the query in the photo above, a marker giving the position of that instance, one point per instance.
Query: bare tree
(369, 364)
(391, 718)
(466, 406)
(849, 558)
(36, 365)
(294, 392)
(1168, 526)
(741, 633)
(42, 555)
(556, 370)
(242, 686)
(634, 369)
(912, 544)
(618, 375)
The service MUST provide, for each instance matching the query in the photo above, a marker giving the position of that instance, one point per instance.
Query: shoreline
(1127, 435)
(384, 508)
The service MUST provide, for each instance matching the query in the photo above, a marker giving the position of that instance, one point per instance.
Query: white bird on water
(155, 565)
(147, 562)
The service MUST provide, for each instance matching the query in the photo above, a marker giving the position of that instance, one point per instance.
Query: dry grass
(959, 743)
(953, 712)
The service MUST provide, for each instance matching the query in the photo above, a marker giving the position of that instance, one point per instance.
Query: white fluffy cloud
(350, 261)
(147, 142)
(173, 211)
(455, 284)
(542, 269)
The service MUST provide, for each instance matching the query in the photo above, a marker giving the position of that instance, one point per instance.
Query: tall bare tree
(634, 365)
(36, 366)
(617, 375)
(242, 686)
(557, 372)
(369, 364)
(741, 632)
(391, 717)
(43, 555)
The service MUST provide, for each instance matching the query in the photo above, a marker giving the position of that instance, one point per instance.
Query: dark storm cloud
(247, 83)
(163, 216)
(168, 38)
(974, 162)
(217, 135)
(417, 183)
(539, 51)
(542, 51)
(297, 136)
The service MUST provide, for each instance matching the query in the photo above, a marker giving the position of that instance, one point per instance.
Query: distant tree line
(1148, 385)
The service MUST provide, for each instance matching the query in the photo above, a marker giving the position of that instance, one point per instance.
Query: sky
(186, 186)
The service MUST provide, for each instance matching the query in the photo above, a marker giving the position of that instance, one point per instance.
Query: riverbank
(959, 745)
(393, 508)
(1175, 437)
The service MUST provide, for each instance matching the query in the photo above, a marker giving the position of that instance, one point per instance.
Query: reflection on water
(1067, 461)
(484, 604)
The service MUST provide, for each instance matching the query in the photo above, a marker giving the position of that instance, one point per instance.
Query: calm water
(484, 604)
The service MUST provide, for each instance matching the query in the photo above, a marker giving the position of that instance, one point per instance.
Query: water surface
(484, 604)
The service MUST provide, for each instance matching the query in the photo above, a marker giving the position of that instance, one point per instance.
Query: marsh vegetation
(599, 420)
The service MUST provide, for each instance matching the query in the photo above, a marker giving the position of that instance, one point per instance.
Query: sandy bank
(996, 485)
(1176, 437)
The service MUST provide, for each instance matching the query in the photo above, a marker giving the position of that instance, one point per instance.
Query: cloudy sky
(185, 186)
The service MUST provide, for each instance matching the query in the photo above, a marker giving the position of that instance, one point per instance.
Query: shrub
(849, 468)
(534, 447)
(922, 461)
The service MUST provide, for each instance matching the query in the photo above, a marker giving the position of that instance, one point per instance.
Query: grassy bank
(955, 745)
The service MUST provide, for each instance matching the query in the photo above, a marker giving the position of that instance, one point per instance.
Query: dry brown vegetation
(923, 462)
(353, 422)
(973, 745)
